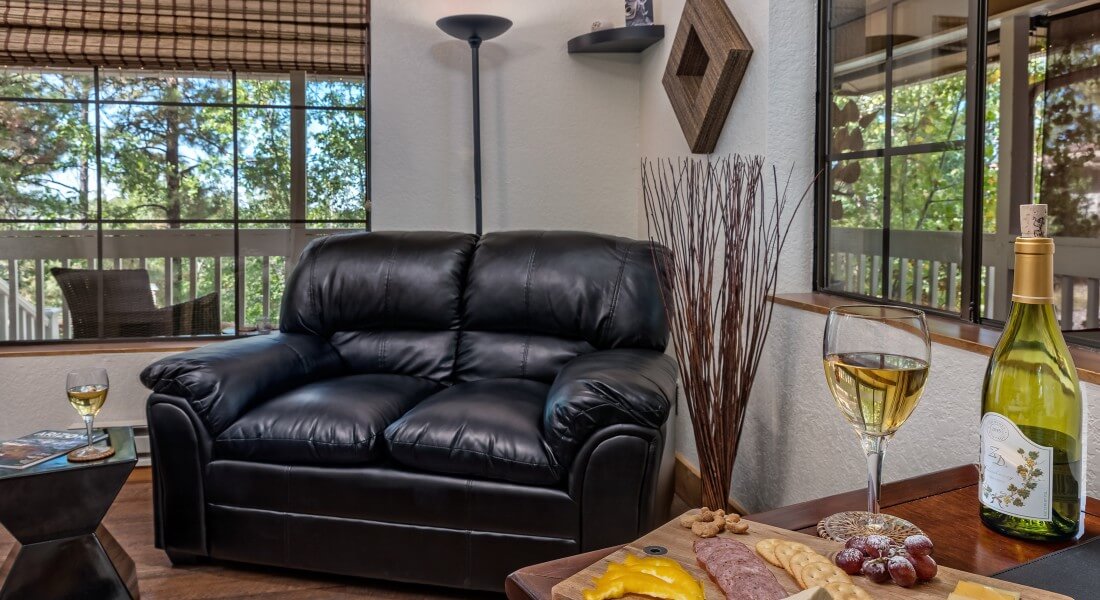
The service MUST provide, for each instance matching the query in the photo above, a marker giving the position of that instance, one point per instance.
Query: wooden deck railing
(926, 270)
(25, 314)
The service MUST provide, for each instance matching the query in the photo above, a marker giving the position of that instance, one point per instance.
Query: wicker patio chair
(128, 307)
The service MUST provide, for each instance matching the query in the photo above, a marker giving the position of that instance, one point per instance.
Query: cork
(1033, 220)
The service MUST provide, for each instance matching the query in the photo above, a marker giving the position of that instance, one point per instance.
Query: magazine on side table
(41, 446)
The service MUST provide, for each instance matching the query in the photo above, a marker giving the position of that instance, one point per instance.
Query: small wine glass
(87, 391)
(876, 364)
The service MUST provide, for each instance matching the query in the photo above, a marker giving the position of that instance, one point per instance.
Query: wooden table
(943, 504)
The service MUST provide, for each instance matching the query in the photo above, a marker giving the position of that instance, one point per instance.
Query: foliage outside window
(893, 214)
(191, 177)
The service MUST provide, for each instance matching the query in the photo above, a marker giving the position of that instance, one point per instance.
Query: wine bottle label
(1015, 473)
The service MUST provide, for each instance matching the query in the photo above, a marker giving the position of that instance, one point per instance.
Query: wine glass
(87, 391)
(876, 363)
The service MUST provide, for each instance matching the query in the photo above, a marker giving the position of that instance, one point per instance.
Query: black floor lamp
(475, 29)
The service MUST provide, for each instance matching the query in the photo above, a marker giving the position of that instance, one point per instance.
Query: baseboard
(689, 487)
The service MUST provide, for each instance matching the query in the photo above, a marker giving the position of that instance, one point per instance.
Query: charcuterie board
(678, 541)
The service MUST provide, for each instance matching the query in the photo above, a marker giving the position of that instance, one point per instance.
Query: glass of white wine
(87, 391)
(876, 363)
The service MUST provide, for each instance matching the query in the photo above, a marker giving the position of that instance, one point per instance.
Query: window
(150, 204)
(932, 131)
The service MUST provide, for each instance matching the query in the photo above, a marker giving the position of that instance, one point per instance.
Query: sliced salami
(737, 570)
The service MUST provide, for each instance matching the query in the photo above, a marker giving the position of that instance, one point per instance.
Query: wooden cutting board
(678, 541)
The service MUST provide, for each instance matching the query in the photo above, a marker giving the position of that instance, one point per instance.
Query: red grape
(878, 546)
(925, 566)
(918, 545)
(859, 543)
(875, 570)
(850, 560)
(902, 571)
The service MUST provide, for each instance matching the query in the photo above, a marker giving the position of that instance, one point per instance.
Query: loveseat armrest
(221, 381)
(605, 388)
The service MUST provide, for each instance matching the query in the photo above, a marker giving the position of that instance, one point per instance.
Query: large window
(937, 119)
(149, 204)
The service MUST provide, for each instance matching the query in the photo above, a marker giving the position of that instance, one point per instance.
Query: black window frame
(297, 110)
(973, 146)
(978, 41)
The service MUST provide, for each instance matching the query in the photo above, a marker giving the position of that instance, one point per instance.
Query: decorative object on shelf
(725, 235)
(618, 39)
(639, 12)
(475, 29)
(601, 24)
(708, 60)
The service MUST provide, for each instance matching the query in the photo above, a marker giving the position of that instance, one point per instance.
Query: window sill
(112, 347)
(949, 332)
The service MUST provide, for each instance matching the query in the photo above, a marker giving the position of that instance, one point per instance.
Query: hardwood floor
(130, 520)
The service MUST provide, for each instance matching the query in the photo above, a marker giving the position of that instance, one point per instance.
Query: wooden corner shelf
(618, 39)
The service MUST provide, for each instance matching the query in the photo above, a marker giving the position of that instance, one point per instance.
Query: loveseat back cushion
(335, 422)
(536, 299)
(487, 429)
(389, 301)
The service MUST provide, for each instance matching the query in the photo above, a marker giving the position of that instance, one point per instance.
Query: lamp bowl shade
(474, 27)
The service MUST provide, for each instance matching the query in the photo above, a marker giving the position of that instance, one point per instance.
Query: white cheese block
(814, 593)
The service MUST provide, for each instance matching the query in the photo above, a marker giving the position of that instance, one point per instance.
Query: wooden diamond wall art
(708, 60)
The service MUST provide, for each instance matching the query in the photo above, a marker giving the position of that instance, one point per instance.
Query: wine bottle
(1031, 483)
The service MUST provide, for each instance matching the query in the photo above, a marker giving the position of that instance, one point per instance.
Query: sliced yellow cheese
(814, 593)
(976, 591)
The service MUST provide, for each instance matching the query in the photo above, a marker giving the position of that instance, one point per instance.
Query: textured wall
(34, 390)
(773, 113)
(560, 131)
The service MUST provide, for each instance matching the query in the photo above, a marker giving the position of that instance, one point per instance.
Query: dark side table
(54, 510)
(943, 504)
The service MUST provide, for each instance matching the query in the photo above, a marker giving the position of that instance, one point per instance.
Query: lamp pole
(475, 29)
(475, 45)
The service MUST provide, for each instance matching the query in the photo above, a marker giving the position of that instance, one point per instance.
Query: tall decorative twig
(725, 236)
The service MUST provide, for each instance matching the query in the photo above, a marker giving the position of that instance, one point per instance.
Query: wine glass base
(842, 526)
(91, 453)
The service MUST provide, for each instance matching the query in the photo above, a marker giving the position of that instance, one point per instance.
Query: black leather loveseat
(436, 407)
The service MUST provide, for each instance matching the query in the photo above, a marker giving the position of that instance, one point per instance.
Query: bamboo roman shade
(320, 36)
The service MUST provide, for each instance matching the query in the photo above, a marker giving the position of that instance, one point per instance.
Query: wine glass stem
(874, 446)
(88, 427)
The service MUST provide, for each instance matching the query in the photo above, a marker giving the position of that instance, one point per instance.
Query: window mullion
(297, 166)
(974, 159)
(887, 161)
(98, 200)
(238, 256)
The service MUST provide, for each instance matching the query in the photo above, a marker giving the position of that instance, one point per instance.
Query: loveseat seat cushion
(488, 429)
(333, 422)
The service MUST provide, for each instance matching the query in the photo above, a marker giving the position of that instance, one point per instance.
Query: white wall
(34, 390)
(560, 132)
(772, 115)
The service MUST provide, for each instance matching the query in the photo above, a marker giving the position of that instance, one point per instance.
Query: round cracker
(766, 549)
(785, 550)
(801, 560)
(846, 591)
(821, 574)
